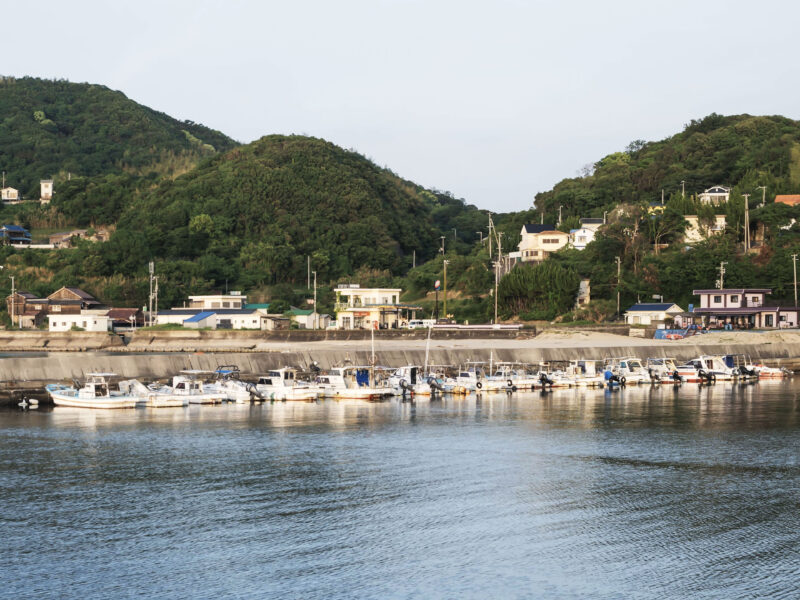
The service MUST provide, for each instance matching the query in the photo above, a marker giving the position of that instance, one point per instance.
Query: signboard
(437, 285)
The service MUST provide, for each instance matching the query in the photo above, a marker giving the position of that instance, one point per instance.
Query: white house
(593, 224)
(208, 302)
(715, 195)
(537, 242)
(646, 313)
(46, 191)
(220, 318)
(87, 322)
(580, 238)
(696, 232)
(371, 308)
(9, 194)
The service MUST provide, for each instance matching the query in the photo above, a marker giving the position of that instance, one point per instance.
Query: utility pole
(480, 233)
(763, 189)
(150, 297)
(308, 269)
(455, 235)
(446, 262)
(491, 226)
(619, 274)
(414, 259)
(155, 293)
(442, 248)
(316, 320)
(13, 299)
(746, 222)
(794, 265)
(605, 212)
(683, 189)
(662, 196)
(722, 275)
(559, 216)
(496, 277)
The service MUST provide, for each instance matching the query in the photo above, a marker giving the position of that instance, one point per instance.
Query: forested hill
(50, 128)
(734, 151)
(254, 214)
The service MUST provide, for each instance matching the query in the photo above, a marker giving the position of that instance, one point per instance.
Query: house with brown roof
(539, 241)
(790, 199)
(72, 295)
(123, 318)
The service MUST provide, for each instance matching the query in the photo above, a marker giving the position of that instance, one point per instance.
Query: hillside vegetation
(729, 150)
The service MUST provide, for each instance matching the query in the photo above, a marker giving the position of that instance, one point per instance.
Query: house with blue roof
(15, 235)
(202, 320)
(648, 313)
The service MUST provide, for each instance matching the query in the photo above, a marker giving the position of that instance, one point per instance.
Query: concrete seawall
(66, 365)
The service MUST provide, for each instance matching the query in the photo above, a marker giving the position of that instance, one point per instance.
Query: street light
(315, 299)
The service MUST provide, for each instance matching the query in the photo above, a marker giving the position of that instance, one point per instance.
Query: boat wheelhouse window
(180, 386)
(464, 375)
(324, 380)
(274, 374)
(265, 381)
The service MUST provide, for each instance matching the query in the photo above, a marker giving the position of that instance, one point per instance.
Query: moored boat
(96, 392)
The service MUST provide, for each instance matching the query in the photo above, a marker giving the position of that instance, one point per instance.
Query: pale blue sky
(493, 101)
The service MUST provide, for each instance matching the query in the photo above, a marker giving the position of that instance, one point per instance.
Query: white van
(420, 323)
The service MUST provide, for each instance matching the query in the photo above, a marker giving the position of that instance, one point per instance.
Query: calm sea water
(645, 493)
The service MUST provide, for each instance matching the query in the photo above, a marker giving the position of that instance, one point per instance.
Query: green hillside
(52, 128)
(256, 212)
(727, 150)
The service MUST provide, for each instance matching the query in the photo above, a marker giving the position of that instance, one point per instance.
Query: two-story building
(743, 308)
(537, 242)
(580, 238)
(371, 308)
(207, 302)
(717, 194)
(45, 190)
(9, 194)
(697, 232)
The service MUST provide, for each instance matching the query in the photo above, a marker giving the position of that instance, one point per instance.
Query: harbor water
(662, 492)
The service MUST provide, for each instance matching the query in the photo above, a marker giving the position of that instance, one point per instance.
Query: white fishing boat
(152, 397)
(713, 368)
(227, 382)
(351, 383)
(764, 372)
(282, 384)
(586, 372)
(663, 370)
(628, 369)
(190, 383)
(95, 393)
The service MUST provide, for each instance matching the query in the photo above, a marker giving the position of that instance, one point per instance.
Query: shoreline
(162, 357)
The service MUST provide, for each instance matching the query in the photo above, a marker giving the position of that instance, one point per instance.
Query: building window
(717, 299)
(734, 298)
(783, 318)
(768, 321)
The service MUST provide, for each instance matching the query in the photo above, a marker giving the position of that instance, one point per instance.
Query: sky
(491, 101)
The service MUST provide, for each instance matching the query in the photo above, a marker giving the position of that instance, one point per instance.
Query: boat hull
(101, 403)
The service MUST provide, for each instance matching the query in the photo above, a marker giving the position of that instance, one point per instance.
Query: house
(715, 195)
(86, 322)
(308, 319)
(743, 308)
(64, 239)
(790, 199)
(15, 235)
(45, 191)
(647, 313)
(368, 308)
(9, 194)
(697, 232)
(70, 297)
(593, 224)
(202, 320)
(218, 318)
(230, 300)
(126, 318)
(539, 241)
(580, 238)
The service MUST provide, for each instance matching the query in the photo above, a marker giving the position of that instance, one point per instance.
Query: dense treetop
(52, 127)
